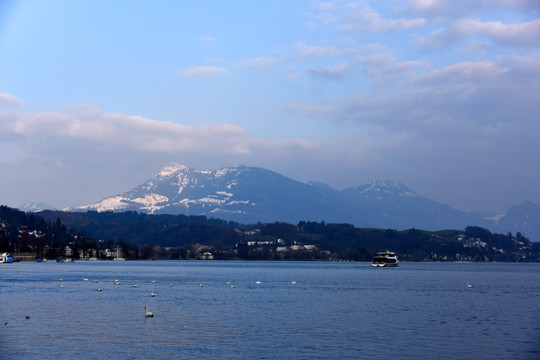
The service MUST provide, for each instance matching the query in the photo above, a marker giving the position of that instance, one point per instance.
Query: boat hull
(385, 264)
(385, 259)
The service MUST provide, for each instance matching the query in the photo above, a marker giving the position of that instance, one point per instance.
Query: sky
(441, 95)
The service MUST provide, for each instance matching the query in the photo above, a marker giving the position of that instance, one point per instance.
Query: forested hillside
(305, 240)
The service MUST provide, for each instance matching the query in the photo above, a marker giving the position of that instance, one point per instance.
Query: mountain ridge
(247, 194)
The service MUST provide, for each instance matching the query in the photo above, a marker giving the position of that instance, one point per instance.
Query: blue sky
(443, 96)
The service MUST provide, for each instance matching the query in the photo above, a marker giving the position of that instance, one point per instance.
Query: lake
(269, 310)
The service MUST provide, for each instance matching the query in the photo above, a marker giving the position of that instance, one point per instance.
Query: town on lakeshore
(121, 236)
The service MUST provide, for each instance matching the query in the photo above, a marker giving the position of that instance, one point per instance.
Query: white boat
(6, 258)
(385, 259)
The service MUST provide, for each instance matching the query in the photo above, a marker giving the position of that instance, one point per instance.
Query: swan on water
(153, 294)
(148, 313)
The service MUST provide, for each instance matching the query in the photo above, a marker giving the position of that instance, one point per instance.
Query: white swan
(148, 313)
(469, 285)
(153, 294)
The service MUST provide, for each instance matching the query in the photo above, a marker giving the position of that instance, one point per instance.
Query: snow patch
(220, 210)
(224, 171)
(237, 202)
(109, 204)
(150, 202)
(172, 169)
(496, 218)
(223, 193)
(231, 184)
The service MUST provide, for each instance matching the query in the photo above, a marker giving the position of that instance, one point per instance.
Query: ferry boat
(385, 259)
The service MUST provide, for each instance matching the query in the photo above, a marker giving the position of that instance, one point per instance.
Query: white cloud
(457, 103)
(312, 110)
(136, 132)
(303, 51)
(463, 72)
(8, 101)
(439, 39)
(515, 4)
(202, 71)
(441, 8)
(260, 62)
(524, 34)
(460, 8)
(369, 20)
(87, 126)
(336, 72)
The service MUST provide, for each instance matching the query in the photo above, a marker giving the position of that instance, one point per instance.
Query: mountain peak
(171, 169)
(383, 186)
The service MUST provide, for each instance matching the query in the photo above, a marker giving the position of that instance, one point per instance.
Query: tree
(146, 251)
(24, 241)
(4, 243)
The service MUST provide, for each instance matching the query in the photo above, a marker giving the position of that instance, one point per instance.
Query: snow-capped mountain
(35, 207)
(244, 194)
(252, 194)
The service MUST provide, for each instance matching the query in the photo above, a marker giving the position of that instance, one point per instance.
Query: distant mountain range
(252, 194)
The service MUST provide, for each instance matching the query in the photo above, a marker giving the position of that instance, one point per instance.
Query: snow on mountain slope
(180, 190)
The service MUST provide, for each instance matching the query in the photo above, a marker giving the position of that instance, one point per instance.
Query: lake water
(334, 310)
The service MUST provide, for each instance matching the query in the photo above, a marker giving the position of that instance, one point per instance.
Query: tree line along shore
(131, 235)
